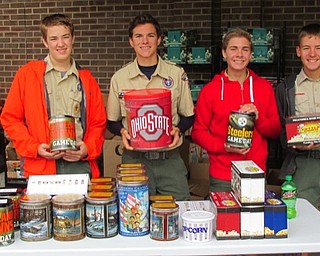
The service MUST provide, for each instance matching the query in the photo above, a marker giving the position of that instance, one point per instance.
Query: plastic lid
(145, 93)
(197, 216)
(288, 177)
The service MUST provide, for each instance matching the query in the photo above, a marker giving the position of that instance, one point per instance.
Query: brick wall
(101, 29)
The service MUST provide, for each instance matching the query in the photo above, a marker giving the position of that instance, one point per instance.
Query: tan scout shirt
(307, 95)
(65, 94)
(167, 75)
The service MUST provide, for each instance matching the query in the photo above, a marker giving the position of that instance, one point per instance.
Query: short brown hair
(309, 30)
(54, 20)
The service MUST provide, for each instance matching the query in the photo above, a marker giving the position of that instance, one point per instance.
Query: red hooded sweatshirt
(25, 118)
(216, 100)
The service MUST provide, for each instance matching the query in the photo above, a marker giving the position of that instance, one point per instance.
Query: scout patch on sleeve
(168, 82)
(184, 76)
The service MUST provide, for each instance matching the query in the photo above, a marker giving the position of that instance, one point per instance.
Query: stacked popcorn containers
(248, 212)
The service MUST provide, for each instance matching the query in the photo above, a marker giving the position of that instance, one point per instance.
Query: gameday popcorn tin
(149, 117)
(6, 222)
(197, 226)
(14, 194)
(62, 133)
(240, 129)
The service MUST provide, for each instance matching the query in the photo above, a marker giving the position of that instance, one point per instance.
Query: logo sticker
(168, 83)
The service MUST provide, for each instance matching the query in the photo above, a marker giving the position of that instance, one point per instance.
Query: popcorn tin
(227, 211)
(149, 117)
(14, 194)
(248, 182)
(62, 133)
(133, 198)
(275, 217)
(102, 216)
(6, 222)
(197, 226)
(164, 221)
(68, 217)
(240, 129)
(35, 217)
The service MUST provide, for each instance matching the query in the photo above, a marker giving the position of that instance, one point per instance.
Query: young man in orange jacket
(50, 87)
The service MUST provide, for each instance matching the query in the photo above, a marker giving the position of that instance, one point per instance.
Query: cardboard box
(303, 129)
(227, 211)
(199, 55)
(248, 182)
(263, 54)
(112, 153)
(261, 36)
(179, 38)
(174, 54)
(107, 134)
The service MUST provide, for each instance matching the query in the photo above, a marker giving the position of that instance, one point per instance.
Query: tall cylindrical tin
(164, 221)
(62, 133)
(149, 117)
(35, 217)
(133, 197)
(68, 217)
(13, 194)
(102, 216)
(240, 129)
(6, 222)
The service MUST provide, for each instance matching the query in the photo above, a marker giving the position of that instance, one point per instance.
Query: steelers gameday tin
(133, 197)
(35, 217)
(102, 215)
(68, 217)
(62, 133)
(6, 222)
(164, 221)
(240, 129)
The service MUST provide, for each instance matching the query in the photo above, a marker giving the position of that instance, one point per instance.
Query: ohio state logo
(150, 123)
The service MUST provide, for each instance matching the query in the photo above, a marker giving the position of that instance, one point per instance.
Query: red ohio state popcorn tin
(149, 117)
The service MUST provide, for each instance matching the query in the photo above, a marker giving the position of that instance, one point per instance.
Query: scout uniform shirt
(166, 76)
(65, 93)
(307, 96)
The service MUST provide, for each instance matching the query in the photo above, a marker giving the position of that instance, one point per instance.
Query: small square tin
(227, 212)
(252, 222)
(275, 217)
(248, 182)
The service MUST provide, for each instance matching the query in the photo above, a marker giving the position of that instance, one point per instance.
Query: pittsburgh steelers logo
(242, 121)
(168, 82)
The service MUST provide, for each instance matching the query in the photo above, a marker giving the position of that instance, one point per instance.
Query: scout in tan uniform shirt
(166, 170)
(299, 94)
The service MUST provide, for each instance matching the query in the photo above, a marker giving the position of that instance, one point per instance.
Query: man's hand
(175, 132)
(76, 155)
(44, 151)
(249, 108)
(236, 150)
(126, 139)
(311, 146)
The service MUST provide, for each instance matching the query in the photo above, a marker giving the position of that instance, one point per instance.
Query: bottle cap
(288, 177)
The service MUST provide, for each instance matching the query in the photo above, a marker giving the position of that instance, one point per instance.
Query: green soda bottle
(288, 196)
